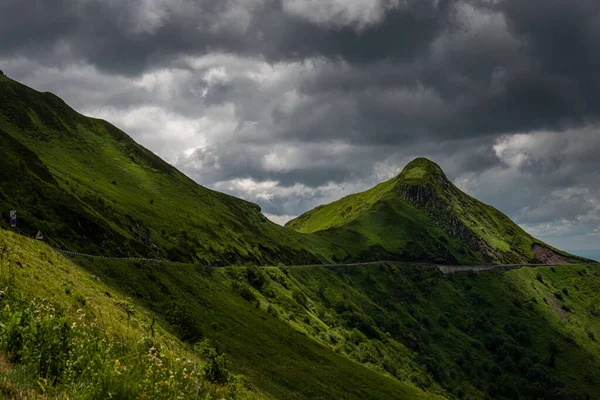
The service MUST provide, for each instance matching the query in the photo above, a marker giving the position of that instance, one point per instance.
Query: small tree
(216, 369)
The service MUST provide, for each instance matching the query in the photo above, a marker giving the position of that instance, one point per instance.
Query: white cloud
(280, 219)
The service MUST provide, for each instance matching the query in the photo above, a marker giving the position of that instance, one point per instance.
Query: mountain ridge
(112, 196)
(422, 189)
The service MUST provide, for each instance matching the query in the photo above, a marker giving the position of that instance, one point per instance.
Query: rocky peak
(421, 182)
(422, 171)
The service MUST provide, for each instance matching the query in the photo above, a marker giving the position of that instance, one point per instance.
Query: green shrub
(244, 291)
(558, 296)
(216, 368)
(443, 322)
(255, 277)
(74, 357)
(80, 299)
(177, 314)
(539, 277)
(272, 310)
(299, 296)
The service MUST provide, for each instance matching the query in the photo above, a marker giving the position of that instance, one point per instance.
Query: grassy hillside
(133, 308)
(527, 333)
(66, 334)
(89, 187)
(420, 215)
(380, 331)
(222, 305)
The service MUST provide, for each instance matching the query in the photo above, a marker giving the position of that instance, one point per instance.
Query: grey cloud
(327, 103)
(488, 69)
(112, 35)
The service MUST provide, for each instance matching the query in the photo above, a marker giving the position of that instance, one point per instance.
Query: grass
(420, 216)
(277, 358)
(379, 331)
(293, 331)
(91, 188)
(469, 336)
(66, 334)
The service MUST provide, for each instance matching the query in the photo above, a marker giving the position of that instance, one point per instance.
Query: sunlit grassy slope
(189, 304)
(89, 187)
(66, 334)
(420, 215)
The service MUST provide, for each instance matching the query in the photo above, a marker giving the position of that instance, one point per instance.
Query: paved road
(154, 260)
(445, 269)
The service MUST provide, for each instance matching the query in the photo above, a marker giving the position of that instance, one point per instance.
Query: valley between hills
(409, 290)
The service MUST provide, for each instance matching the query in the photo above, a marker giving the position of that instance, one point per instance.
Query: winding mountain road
(445, 269)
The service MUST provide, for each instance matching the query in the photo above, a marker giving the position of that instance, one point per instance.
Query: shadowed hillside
(126, 330)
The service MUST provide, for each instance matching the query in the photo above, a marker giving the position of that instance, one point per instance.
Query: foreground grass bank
(66, 334)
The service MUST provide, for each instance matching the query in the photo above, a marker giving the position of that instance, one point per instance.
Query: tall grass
(49, 350)
(76, 357)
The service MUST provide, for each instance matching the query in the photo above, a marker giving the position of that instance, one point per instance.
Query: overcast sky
(295, 103)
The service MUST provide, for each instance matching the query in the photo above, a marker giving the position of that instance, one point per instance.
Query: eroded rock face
(427, 199)
(547, 256)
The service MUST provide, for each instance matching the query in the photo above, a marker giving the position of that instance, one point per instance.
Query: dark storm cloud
(487, 69)
(129, 37)
(295, 103)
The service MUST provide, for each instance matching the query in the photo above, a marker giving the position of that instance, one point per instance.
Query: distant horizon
(591, 254)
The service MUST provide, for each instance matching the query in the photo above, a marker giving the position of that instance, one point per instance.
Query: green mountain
(90, 188)
(420, 215)
(103, 328)
(134, 330)
(99, 328)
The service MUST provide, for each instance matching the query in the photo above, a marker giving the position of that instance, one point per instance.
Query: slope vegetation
(137, 308)
(420, 215)
(378, 331)
(65, 334)
(89, 187)
(526, 333)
